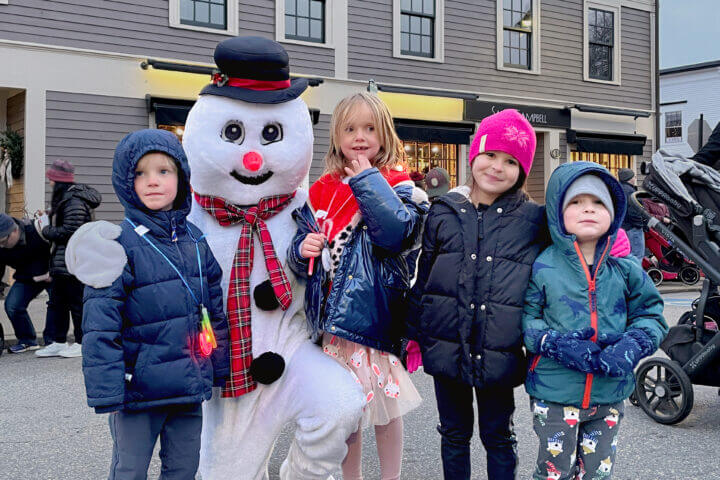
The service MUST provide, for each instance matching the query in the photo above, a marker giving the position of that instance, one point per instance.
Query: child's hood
(128, 154)
(560, 181)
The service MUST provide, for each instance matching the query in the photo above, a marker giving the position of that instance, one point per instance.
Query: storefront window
(177, 130)
(611, 161)
(422, 156)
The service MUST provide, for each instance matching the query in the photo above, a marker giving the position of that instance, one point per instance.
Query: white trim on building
(439, 33)
(331, 9)
(231, 11)
(534, 36)
(613, 6)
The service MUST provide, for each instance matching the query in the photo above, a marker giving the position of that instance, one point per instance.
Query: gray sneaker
(52, 350)
(74, 350)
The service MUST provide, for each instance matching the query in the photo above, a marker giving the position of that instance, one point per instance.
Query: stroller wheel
(634, 400)
(689, 275)
(655, 275)
(664, 390)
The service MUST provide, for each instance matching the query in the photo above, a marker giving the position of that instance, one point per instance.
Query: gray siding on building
(141, 27)
(84, 130)
(470, 54)
(321, 146)
(535, 184)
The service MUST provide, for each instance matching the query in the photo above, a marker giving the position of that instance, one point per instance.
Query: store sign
(537, 116)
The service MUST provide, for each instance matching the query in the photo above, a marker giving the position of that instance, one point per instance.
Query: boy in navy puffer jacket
(148, 351)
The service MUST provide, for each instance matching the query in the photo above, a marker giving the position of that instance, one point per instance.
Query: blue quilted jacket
(140, 344)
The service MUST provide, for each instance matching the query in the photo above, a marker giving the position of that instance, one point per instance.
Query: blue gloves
(622, 352)
(572, 349)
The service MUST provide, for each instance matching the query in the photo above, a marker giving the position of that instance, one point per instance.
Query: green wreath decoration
(12, 143)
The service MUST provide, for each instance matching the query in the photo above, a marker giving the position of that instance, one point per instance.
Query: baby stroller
(691, 191)
(666, 263)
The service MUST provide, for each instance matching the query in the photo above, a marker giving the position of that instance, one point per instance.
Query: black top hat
(254, 69)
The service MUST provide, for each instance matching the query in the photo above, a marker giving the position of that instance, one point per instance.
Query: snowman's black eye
(234, 132)
(272, 133)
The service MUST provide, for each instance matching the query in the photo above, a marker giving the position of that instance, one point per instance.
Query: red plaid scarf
(238, 302)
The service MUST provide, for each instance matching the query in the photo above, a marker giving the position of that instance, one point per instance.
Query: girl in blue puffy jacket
(360, 220)
(466, 305)
(156, 339)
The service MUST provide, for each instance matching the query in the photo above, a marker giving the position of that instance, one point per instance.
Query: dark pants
(16, 303)
(134, 435)
(66, 298)
(495, 409)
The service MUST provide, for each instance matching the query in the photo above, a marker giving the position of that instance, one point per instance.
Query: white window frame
(672, 140)
(232, 19)
(4, 2)
(607, 5)
(439, 47)
(280, 26)
(534, 37)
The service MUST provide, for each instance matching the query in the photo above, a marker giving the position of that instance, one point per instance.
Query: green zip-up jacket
(564, 294)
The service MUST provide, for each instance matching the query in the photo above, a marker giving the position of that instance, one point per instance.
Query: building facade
(79, 74)
(689, 106)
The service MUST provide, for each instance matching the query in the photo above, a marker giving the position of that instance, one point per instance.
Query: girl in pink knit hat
(479, 244)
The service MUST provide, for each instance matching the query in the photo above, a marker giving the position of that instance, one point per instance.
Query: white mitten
(93, 255)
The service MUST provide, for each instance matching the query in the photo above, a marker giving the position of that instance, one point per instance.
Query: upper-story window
(417, 27)
(204, 13)
(601, 36)
(601, 46)
(305, 20)
(517, 33)
(215, 16)
(518, 38)
(673, 127)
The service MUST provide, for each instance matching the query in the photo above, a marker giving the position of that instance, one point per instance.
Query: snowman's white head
(243, 151)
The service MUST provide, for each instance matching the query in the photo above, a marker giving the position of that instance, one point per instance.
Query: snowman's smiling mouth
(257, 180)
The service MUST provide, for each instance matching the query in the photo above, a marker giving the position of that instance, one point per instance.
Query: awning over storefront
(606, 142)
(170, 112)
(435, 132)
(174, 112)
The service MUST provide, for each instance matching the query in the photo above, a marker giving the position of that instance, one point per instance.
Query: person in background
(22, 248)
(633, 223)
(709, 154)
(437, 181)
(71, 207)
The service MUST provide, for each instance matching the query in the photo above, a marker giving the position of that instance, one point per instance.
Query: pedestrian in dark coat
(466, 306)
(71, 207)
(144, 354)
(633, 223)
(22, 248)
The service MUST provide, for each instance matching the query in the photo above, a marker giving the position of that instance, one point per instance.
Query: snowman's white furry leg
(236, 441)
(327, 405)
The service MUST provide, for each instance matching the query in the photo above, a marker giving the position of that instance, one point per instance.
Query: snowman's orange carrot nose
(252, 161)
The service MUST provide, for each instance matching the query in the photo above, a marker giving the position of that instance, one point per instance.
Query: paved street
(48, 432)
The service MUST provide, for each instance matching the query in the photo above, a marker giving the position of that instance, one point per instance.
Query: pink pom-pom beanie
(506, 131)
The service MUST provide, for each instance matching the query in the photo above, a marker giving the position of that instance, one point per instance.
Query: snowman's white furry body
(314, 392)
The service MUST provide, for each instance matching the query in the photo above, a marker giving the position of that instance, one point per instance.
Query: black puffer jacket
(69, 212)
(467, 303)
(632, 219)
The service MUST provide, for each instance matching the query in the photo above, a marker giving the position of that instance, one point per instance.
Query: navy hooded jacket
(140, 344)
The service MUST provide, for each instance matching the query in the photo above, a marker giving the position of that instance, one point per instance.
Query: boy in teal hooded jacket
(588, 319)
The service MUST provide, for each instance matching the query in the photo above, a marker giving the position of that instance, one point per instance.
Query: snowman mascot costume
(249, 139)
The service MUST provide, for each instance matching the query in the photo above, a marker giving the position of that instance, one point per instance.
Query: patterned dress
(389, 392)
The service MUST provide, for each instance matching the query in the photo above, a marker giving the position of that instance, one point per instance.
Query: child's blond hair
(390, 153)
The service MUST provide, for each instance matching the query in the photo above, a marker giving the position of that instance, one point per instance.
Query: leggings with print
(575, 443)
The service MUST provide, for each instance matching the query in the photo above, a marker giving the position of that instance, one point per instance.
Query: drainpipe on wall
(657, 74)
